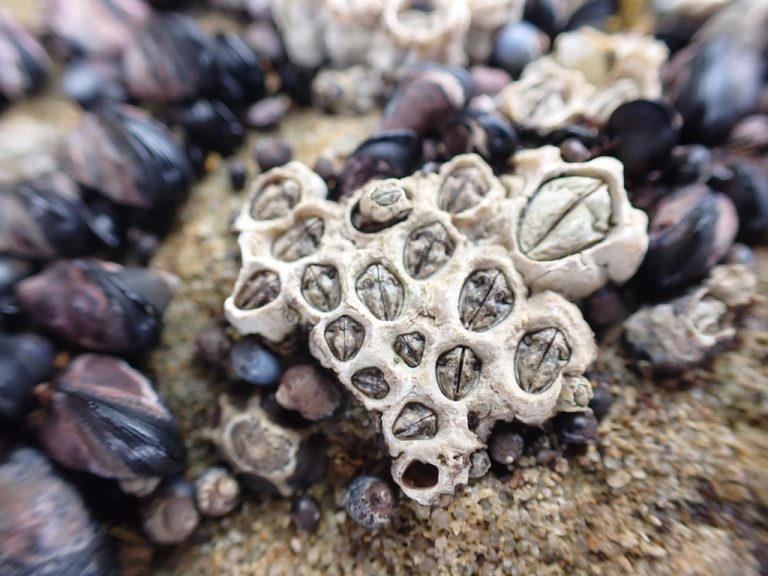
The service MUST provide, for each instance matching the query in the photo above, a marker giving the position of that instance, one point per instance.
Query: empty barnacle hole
(300, 240)
(410, 347)
(275, 197)
(540, 357)
(382, 292)
(371, 382)
(566, 215)
(344, 337)
(382, 204)
(427, 249)
(458, 372)
(485, 300)
(420, 475)
(321, 286)
(259, 288)
(462, 188)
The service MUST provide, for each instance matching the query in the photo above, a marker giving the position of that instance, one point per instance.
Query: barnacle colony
(434, 297)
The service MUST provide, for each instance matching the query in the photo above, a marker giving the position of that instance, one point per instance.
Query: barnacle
(434, 297)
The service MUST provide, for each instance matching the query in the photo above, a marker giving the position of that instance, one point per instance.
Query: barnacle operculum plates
(574, 228)
(416, 292)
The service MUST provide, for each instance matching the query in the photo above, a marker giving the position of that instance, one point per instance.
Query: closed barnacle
(257, 290)
(540, 357)
(104, 417)
(458, 372)
(125, 155)
(98, 305)
(381, 291)
(371, 382)
(415, 422)
(25, 360)
(25, 63)
(485, 300)
(301, 240)
(382, 204)
(410, 347)
(170, 515)
(217, 493)
(44, 219)
(263, 451)
(170, 59)
(344, 337)
(370, 502)
(46, 528)
(320, 287)
(427, 249)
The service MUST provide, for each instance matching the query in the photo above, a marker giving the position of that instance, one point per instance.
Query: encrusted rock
(416, 293)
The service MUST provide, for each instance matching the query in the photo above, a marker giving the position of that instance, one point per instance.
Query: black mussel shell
(213, 126)
(94, 27)
(23, 62)
(91, 82)
(12, 271)
(46, 529)
(426, 97)
(546, 15)
(106, 221)
(718, 85)
(170, 59)
(104, 417)
(25, 360)
(392, 154)
(688, 163)
(690, 230)
(593, 13)
(486, 133)
(97, 305)
(241, 79)
(122, 153)
(296, 82)
(641, 134)
(516, 45)
(44, 219)
(748, 189)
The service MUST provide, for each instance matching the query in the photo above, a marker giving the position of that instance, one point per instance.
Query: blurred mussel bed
(169, 90)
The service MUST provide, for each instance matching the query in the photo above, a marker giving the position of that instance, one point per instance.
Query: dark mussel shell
(546, 15)
(690, 231)
(486, 133)
(44, 219)
(641, 134)
(23, 62)
(46, 529)
(296, 82)
(25, 360)
(213, 126)
(593, 13)
(94, 27)
(91, 82)
(170, 59)
(241, 79)
(427, 96)
(516, 45)
(122, 153)
(747, 187)
(12, 271)
(104, 417)
(716, 83)
(392, 154)
(98, 305)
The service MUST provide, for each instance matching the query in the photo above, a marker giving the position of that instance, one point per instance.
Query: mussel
(25, 360)
(23, 62)
(486, 133)
(241, 79)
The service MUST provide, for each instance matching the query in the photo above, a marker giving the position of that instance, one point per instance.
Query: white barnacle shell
(415, 292)
(350, 26)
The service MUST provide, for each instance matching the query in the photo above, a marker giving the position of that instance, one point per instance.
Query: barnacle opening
(259, 289)
(462, 189)
(421, 475)
(300, 240)
(276, 197)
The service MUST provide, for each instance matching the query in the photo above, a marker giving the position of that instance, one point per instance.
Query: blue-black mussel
(392, 154)
(44, 219)
(241, 79)
(25, 360)
(486, 133)
(23, 62)
(45, 528)
(122, 153)
(98, 305)
(102, 416)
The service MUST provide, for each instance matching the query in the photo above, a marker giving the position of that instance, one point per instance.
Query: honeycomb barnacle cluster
(435, 297)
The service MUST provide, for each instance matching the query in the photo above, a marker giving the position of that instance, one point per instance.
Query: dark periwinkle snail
(25, 360)
(44, 219)
(98, 305)
(426, 97)
(170, 59)
(104, 417)
(392, 154)
(91, 81)
(296, 82)
(23, 62)
(486, 133)
(46, 529)
(213, 126)
(122, 153)
(94, 27)
(516, 45)
(641, 134)
(690, 230)
(241, 79)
